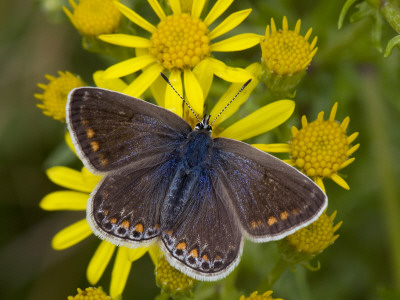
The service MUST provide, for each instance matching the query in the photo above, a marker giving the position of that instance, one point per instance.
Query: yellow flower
(172, 281)
(181, 43)
(309, 241)
(54, 97)
(90, 294)
(255, 296)
(317, 236)
(285, 56)
(320, 149)
(94, 17)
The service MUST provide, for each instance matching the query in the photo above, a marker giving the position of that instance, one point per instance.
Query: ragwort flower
(309, 241)
(320, 149)
(255, 296)
(54, 97)
(285, 56)
(90, 294)
(94, 17)
(181, 43)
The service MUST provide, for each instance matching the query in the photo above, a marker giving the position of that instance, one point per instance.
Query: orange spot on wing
(295, 211)
(181, 246)
(169, 232)
(271, 221)
(205, 257)
(95, 146)
(194, 253)
(139, 227)
(125, 224)
(90, 133)
(284, 215)
(113, 220)
(85, 122)
(218, 257)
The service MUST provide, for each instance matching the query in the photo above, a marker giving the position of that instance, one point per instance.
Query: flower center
(180, 42)
(95, 17)
(285, 52)
(56, 92)
(320, 148)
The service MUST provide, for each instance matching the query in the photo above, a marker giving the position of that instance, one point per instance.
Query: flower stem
(384, 158)
(273, 276)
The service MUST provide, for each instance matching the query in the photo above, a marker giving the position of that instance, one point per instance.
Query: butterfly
(165, 182)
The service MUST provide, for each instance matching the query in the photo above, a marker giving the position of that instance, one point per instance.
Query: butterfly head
(204, 124)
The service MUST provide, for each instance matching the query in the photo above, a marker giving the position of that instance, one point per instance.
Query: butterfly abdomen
(195, 160)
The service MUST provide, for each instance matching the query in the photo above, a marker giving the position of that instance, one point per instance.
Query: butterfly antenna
(241, 89)
(184, 101)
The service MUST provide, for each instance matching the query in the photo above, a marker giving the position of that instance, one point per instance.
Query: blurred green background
(37, 39)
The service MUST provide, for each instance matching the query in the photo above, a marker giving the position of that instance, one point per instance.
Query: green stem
(391, 11)
(384, 160)
(273, 276)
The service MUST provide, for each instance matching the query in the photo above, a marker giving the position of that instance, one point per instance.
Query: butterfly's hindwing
(270, 198)
(126, 206)
(205, 241)
(111, 130)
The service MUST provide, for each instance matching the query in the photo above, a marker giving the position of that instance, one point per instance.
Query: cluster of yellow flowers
(183, 43)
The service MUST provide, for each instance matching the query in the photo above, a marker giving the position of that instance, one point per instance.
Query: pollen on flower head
(321, 148)
(255, 296)
(90, 294)
(180, 41)
(171, 280)
(54, 97)
(286, 52)
(316, 237)
(94, 17)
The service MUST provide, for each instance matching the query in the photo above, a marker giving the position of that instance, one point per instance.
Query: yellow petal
(99, 262)
(128, 66)
(227, 73)
(71, 235)
(275, 148)
(155, 253)
(64, 200)
(352, 149)
(237, 43)
(126, 40)
(218, 9)
(229, 23)
(172, 100)
(158, 91)
(69, 178)
(320, 183)
(347, 162)
(135, 18)
(69, 142)
(340, 181)
(253, 71)
(175, 6)
(197, 8)
(332, 115)
(194, 93)
(352, 137)
(114, 84)
(143, 81)
(204, 75)
(120, 272)
(135, 254)
(157, 9)
(260, 121)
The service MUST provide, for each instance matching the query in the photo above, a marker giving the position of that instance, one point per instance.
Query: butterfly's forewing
(270, 198)
(110, 129)
(205, 242)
